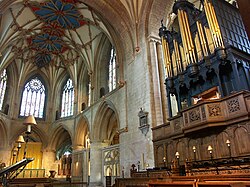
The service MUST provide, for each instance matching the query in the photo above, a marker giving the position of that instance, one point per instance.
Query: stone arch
(60, 140)
(81, 132)
(106, 123)
(159, 11)
(102, 64)
(59, 134)
(37, 135)
(3, 134)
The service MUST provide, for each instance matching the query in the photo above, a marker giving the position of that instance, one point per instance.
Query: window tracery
(112, 70)
(67, 99)
(33, 98)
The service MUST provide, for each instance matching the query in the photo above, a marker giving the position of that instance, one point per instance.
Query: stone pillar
(96, 175)
(162, 85)
(5, 156)
(49, 158)
(79, 171)
(154, 71)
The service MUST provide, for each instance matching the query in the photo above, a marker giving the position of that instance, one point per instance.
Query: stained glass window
(3, 83)
(67, 99)
(112, 70)
(33, 98)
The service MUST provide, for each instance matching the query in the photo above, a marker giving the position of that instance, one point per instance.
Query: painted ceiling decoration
(47, 43)
(53, 29)
(42, 59)
(47, 33)
(59, 12)
(56, 15)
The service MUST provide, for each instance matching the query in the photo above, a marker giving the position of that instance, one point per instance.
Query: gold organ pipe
(190, 41)
(217, 26)
(213, 24)
(166, 56)
(177, 56)
(202, 38)
(183, 36)
(210, 23)
(186, 37)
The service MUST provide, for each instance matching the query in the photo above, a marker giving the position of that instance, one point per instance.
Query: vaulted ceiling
(56, 32)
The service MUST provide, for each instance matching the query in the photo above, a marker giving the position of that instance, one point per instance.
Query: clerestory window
(112, 70)
(33, 98)
(3, 84)
(67, 99)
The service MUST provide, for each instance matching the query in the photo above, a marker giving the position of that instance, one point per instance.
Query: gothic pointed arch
(81, 133)
(101, 68)
(3, 134)
(60, 141)
(67, 98)
(106, 123)
(37, 135)
(33, 99)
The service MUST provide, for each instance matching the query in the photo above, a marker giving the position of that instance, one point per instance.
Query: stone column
(5, 156)
(49, 158)
(79, 166)
(96, 175)
(162, 85)
(154, 71)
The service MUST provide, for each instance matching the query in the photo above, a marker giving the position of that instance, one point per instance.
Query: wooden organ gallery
(206, 56)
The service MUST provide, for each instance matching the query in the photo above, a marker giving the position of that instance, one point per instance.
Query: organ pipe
(177, 56)
(202, 38)
(166, 56)
(213, 24)
(186, 37)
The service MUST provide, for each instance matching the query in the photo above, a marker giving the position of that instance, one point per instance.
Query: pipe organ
(206, 52)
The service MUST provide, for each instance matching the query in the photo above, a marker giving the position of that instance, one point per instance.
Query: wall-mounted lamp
(19, 142)
(177, 154)
(210, 149)
(29, 121)
(194, 150)
(138, 165)
(14, 153)
(164, 161)
(229, 147)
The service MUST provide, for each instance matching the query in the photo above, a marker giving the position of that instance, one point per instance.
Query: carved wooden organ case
(206, 53)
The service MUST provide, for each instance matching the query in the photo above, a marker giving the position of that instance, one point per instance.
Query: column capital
(154, 38)
(77, 147)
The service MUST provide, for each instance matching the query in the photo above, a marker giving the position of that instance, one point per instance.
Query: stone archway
(81, 133)
(104, 133)
(60, 141)
(3, 135)
(106, 123)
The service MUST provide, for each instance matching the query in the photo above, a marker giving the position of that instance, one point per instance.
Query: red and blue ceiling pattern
(42, 59)
(57, 16)
(47, 43)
